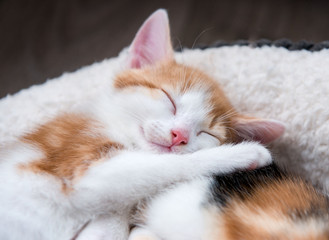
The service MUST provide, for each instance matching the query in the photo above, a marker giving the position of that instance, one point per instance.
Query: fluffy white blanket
(269, 82)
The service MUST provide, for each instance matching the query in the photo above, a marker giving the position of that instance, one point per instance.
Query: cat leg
(139, 233)
(131, 176)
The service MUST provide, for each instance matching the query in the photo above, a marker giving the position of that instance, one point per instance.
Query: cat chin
(157, 148)
(160, 148)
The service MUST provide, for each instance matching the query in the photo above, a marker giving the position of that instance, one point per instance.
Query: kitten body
(262, 204)
(80, 175)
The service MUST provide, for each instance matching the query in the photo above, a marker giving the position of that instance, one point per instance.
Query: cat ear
(152, 42)
(261, 130)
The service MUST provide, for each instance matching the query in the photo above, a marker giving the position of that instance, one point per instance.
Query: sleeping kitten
(264, 204)
(79, 175)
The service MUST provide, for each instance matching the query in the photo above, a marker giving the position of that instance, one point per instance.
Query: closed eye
(212, 135)
(171, 100)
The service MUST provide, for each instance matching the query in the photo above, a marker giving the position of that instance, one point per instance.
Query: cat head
(179, 108)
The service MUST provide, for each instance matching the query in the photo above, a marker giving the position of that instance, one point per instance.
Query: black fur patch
(242, 184)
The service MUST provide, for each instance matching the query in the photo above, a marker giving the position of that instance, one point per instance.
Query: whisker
(132, 114)
(180, 44)
(226, 115)
(200, 34)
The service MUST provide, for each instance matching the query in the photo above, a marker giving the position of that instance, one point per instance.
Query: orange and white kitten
(263, 204)
(80, 175)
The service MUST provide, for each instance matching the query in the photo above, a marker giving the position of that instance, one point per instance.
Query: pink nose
(179, 137)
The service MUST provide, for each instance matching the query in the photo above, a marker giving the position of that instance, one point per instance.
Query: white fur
(178, 213)
(28, 200)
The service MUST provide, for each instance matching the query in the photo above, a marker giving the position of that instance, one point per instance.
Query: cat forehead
(171, 75)
(195, 103)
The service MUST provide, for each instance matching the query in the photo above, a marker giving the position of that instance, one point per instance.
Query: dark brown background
(40, 39)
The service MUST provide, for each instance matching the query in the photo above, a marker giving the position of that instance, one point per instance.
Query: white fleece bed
(269, 82)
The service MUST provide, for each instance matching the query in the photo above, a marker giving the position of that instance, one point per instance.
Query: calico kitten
(263, 204)
(79, 175)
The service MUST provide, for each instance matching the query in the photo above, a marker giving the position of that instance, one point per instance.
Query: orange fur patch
(272, 213)
(70, 143)
(181, 78)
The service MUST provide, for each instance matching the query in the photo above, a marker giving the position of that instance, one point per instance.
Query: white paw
(227, 158)
(252, 155)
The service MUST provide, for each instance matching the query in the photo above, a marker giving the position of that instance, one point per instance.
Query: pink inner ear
(262, 130)
(152, 42)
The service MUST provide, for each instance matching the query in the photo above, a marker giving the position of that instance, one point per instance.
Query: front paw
(228, 158)
(252, 155)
